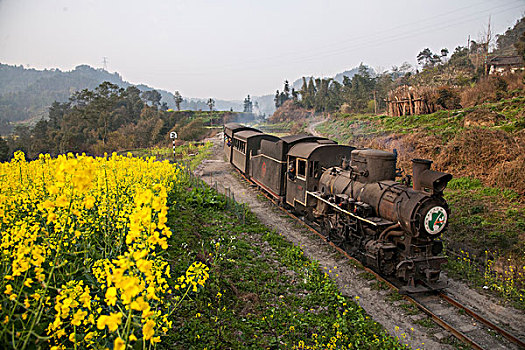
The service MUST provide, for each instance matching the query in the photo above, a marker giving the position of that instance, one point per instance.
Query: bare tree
(486, 42)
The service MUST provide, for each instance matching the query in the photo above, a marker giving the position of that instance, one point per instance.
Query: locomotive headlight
(435, 220)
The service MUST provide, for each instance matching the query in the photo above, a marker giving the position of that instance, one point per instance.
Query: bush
(290, 111)
(193, 131)
(448, 98)
(493, 88)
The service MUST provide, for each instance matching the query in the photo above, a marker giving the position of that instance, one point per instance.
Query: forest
(107, 119)
(27, 93)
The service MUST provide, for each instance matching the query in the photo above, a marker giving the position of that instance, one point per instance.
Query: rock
(441, 335)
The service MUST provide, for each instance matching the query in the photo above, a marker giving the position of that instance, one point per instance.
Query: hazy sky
(230, 48)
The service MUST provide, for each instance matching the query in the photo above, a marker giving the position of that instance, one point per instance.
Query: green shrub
(464, 183)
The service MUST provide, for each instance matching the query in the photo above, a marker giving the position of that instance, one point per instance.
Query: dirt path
(311, 127)
(399, 319)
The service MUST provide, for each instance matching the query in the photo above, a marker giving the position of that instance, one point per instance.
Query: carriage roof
(306, 149)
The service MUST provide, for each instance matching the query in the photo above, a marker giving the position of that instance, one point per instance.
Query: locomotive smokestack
(418, 167)
(427, 180)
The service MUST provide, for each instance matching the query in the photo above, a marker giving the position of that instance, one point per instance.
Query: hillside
(111, 119)
(26, 94)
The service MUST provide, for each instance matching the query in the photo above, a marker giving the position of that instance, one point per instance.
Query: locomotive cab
(306, 162)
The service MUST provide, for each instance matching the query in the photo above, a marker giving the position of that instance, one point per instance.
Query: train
(357, 197)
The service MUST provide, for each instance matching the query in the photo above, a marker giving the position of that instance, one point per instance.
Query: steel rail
(458, 334)
(486, 322)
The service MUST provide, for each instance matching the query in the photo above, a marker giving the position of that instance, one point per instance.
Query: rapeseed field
(82, 248)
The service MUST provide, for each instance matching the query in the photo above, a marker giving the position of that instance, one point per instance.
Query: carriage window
(301, 168)
(310, 169)
(239, 145)
(317, 174)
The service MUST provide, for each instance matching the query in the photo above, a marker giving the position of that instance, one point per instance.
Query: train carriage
(229, 130)
(246, 143)
(268, 167)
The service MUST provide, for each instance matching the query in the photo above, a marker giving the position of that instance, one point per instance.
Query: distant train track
(470, 324)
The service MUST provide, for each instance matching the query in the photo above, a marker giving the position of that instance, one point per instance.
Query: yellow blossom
(148, 329)
(119, 344)
(112, 321)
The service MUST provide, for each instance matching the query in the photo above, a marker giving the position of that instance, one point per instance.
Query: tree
(444, 54)
(56, 113)
(295, 96)
(178, 99)
(460, 58)
(4, 150)
(506, 42)
(152, 96)
(211, 103)
(424, 57)
(286, 89)
(277, 99)
(248, 106)
(520, 46)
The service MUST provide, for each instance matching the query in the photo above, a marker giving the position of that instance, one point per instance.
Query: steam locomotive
(353, 195)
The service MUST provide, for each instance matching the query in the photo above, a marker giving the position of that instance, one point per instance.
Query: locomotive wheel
(337, 237)
(326, 227)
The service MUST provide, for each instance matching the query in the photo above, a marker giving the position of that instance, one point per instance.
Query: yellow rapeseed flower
(111, 296)
(112, 321)
(148, 329)
(119, 344)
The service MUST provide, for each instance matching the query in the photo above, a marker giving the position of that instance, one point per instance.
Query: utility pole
(375, 103)
(487, 43)
(105, 62)
(468, 46)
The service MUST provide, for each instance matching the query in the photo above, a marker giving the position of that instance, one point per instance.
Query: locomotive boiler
(386, 224)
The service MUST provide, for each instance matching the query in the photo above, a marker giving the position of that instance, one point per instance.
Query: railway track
(467, 325)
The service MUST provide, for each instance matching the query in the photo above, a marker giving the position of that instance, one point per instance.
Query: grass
(394, 296)
(380, 285)
(367, 276)
(346, 128)
(485, 242)
(410, 309)
(197, 150)
(485, 218)
(426, 322)
(262, 291)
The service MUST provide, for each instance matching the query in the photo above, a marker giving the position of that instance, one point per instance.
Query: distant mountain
(26, 94)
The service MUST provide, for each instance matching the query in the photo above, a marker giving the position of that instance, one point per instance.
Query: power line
(396, 37)
(358, 43)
